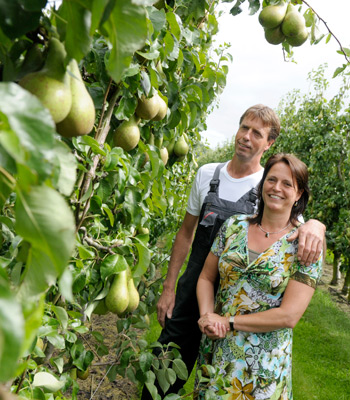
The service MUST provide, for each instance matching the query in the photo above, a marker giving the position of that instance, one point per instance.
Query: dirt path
(334, 290)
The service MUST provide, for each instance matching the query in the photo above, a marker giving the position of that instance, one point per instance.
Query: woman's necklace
(267, 234)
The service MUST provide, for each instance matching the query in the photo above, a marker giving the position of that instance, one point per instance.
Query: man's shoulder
(208, 168)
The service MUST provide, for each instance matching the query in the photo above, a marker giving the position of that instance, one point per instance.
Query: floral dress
(255, 365)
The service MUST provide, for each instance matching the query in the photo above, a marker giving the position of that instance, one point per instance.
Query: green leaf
(180, 368)
(145, 82)
(157, 18)
(65, 284)
(109, 212)
(170, 375)
(145, 361)
(66, 167)
(28, 134)
(76, 33)
(47, 382)
(5, 189)
(143, 260)
(61, 315)
(11, 332)
(126, 28)
(44, 219)
(16, 20)
(93, 143)
(97, 10)
(174, 24)
(163, 382)
(33, 314)
(111, 265)
(254, 6)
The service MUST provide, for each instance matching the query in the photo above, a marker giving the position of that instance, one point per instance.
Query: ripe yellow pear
(117, 299)
(81, 117)
(127, 135)
(134, 297)
(147, 108)
(272, 16)
(52, 83)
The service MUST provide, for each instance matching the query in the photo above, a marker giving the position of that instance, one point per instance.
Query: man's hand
(311, 237)
(165, 305)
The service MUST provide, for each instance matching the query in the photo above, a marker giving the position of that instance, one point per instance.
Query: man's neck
(239, 169)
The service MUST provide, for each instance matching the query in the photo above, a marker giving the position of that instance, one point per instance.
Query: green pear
(83, 375)
(163, 108)
(293, 23)
(158, 141)
(52, 83)
(81, 117)
(117, 299)
(272, 16)
(170, 147)
(274, 35)
(181, 147)
(142, 230)
(33, 61)
(164, 155)
(159, 4)
(147, 108)
(134, 297)
(299, 39)
(101, 308)
(127, 135)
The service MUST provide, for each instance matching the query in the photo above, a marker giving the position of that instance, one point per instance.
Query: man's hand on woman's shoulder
(311, 237)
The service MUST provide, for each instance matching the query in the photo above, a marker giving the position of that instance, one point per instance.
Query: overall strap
(215, 181)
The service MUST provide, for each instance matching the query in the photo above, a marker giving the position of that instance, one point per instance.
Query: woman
(263, 291)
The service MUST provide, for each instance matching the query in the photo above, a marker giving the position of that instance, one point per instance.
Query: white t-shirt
(229, 189)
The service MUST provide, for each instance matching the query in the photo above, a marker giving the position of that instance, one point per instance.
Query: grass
(321, 351)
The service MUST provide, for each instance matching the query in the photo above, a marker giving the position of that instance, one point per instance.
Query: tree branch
(96, 245)
(326, 25)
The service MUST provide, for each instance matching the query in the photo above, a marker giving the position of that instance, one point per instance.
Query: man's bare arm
(311, 237)
(181, 248)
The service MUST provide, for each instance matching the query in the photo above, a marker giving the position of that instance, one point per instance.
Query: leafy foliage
(76, 212)
(317, 131)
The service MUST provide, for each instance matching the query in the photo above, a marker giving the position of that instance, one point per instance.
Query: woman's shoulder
(235, 223)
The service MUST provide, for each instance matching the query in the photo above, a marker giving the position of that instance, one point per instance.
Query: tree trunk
(346, 286)
(336, 269)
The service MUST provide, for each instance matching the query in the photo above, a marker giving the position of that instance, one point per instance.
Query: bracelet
(232, 323)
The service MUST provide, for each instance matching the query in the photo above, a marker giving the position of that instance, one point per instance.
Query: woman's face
(280, 190)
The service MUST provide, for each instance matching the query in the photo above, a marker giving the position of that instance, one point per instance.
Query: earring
(296, 203)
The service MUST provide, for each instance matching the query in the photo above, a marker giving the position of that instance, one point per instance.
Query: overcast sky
(259, 73)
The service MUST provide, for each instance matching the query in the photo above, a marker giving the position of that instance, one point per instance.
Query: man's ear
(269, 144)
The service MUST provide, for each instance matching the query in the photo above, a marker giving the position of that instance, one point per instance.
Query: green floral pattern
(257, 365)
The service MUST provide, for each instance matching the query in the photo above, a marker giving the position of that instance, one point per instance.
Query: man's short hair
(267, 116)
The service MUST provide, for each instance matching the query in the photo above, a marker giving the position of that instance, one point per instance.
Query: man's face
(252, 139)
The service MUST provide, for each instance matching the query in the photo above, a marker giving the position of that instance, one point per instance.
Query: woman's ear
(299, 194)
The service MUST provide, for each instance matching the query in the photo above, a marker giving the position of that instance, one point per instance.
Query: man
(207, 209)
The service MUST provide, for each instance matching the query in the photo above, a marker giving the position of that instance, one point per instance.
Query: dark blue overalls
(182, 328)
